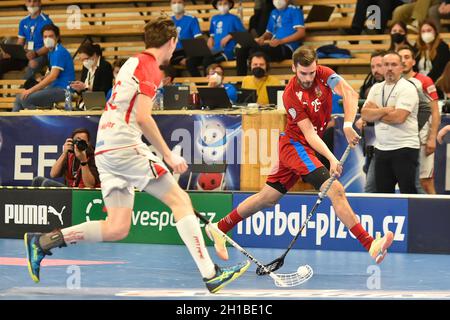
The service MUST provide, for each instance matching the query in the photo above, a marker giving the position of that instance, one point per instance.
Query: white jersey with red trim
(118, 128)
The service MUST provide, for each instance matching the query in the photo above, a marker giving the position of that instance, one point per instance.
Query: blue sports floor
(138, 271)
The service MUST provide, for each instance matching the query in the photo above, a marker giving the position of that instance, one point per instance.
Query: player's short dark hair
(169, 71)
(90, 48)
(158, 31)
(406, 47)
(377, 53)
(81, 130)
(304, 56)
(52, 27)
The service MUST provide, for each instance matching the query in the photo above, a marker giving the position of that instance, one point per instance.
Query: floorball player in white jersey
(125, 162)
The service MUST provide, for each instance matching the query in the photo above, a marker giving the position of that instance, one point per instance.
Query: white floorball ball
(303, 271)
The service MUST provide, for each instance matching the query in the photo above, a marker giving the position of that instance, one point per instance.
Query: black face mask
(398, 37)
(258, 72)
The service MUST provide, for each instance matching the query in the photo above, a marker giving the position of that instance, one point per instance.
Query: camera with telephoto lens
(81, 144)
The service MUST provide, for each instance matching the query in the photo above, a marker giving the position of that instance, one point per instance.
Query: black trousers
(386, 8)
(279, 53)
(396, 166)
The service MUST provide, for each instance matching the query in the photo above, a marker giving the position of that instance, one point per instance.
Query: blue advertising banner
(29, 146)
(429, 225)
(442, 161)
(275, 227)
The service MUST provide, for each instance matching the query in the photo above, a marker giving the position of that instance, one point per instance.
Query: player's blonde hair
(158, 31)
(304, 56)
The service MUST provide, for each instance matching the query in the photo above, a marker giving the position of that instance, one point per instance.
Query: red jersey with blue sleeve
(314, 103)
(118, 127)
(296, 158)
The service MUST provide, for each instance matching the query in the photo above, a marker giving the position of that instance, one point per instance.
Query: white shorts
(128, 168)
(426, 163)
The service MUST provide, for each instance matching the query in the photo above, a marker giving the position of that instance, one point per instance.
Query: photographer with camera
(76, 164)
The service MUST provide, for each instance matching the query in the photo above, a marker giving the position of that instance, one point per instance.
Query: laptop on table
(94, 100)
(246, 96)
(214, 98)
(176, 97)
(272, 93)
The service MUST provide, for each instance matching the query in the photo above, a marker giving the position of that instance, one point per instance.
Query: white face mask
(428, 37)
(177, 8)
(49, 43)
(32, 10)
(216, 78)
(88, 63)
(223, 9)
(279, 4)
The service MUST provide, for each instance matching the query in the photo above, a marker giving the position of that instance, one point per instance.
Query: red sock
(227, 223)
(363, 237)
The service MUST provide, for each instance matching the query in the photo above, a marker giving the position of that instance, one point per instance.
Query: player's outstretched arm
(151, 132)
(318, 145)
(350, 101)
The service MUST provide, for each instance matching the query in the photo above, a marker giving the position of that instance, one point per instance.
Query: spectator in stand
(187, 28)
(433, 52)
(443, 83)
(97, 73)
(284, 31)
(259, 80)
(76, 164)
(117, 64)
(220, 40)
(215, 79)
(393, 106)
(376, 76)
(50, 90)
(359, 18)
(413, 13)
(399, 36)
(439, 11)
(260, 18)
(30, 36)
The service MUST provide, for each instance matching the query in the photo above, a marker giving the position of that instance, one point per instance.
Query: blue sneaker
(225, 275)
(35, 254)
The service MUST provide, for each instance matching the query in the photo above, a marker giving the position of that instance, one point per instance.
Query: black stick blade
(273, 266)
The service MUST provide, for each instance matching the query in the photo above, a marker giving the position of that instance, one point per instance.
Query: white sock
(190, 233)
(86, 232)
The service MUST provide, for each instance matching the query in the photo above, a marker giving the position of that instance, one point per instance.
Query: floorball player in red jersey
(125, 162)
(308, 101)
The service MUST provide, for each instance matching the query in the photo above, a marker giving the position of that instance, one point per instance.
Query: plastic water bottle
(68, 99)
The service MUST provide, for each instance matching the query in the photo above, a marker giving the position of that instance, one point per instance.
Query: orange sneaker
(379, 246)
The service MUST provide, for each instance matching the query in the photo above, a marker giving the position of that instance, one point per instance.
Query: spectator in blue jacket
(187, 28)
(284, 31)
(220, 41)
(49, 90)
(30, 36)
